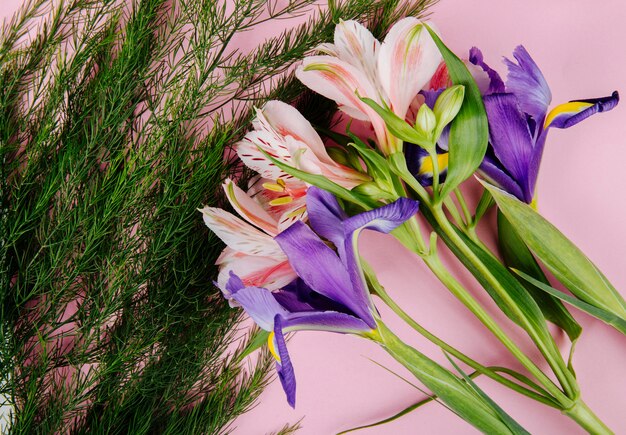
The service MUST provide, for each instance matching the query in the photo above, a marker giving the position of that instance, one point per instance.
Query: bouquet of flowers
(434, 120)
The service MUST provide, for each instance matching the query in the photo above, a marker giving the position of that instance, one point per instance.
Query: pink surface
(579, 46)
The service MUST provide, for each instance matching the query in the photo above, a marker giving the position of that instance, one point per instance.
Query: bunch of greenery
(115, 118)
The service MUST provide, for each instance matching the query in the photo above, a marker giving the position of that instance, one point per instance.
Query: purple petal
(491, 170)
(430, 96)
(284, 368)
(325, 214)
(510, 137)
(330, 321)
(526, 81)
(234, 284)
(260, 304)
(383, 219)
(496, 85)
(570, 114)
(565, 116)
(298, 297)
(321, 269)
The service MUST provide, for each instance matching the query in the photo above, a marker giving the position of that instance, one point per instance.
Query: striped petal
(285, 121)
(526, 81)
(238, 234)
(249, 209)
(250, 154)
(407, 61)
(272, 273)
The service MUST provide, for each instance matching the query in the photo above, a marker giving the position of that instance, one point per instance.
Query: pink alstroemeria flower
(251, 251)
(283, 133)
(357, 65)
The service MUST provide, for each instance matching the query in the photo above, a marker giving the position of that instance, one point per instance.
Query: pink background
(579, 46)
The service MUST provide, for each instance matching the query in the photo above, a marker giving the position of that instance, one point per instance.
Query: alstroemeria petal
(269, 272)
(491, 170)
(286, 121)
(569, 114)
(407, 60)
(496, 85)
(249, 209)
(321, 269)
(510, 137)
(339, 81)
(284, 367)
(526, 81)
(259, 303)
(326, 215)
(238, 234)
(249, 153)
(355, 44)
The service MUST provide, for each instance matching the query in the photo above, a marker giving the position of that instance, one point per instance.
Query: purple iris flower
(519, 121)
(331, 293)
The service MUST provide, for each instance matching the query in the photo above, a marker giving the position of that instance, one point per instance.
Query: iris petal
(492, 170)
(321, 269)
(496, 84)
(511, 138)
(326, 215)
(258, 302)
(284, 368)
(526, 81)
(569, 114)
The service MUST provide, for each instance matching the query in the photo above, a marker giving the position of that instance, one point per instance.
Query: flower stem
(587, 419)
(380, 291)
(548, 349)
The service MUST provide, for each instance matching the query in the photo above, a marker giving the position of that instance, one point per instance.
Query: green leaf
(469, 130)
(513, 425)
(517, 256)
(568, 264)
(398, 126)
(484, 204)
(599, 313)
(451, 390)
(324, 183)
(258, 340)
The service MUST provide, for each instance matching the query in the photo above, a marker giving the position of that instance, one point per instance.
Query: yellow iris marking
(270, 345)
(571, 107)
(427, 164)
(281, 201)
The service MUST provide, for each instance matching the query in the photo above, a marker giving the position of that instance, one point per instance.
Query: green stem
(451, 390)
(557, 364)
(467, 299)
(380, 291)
(464, 208)
(587, 419)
